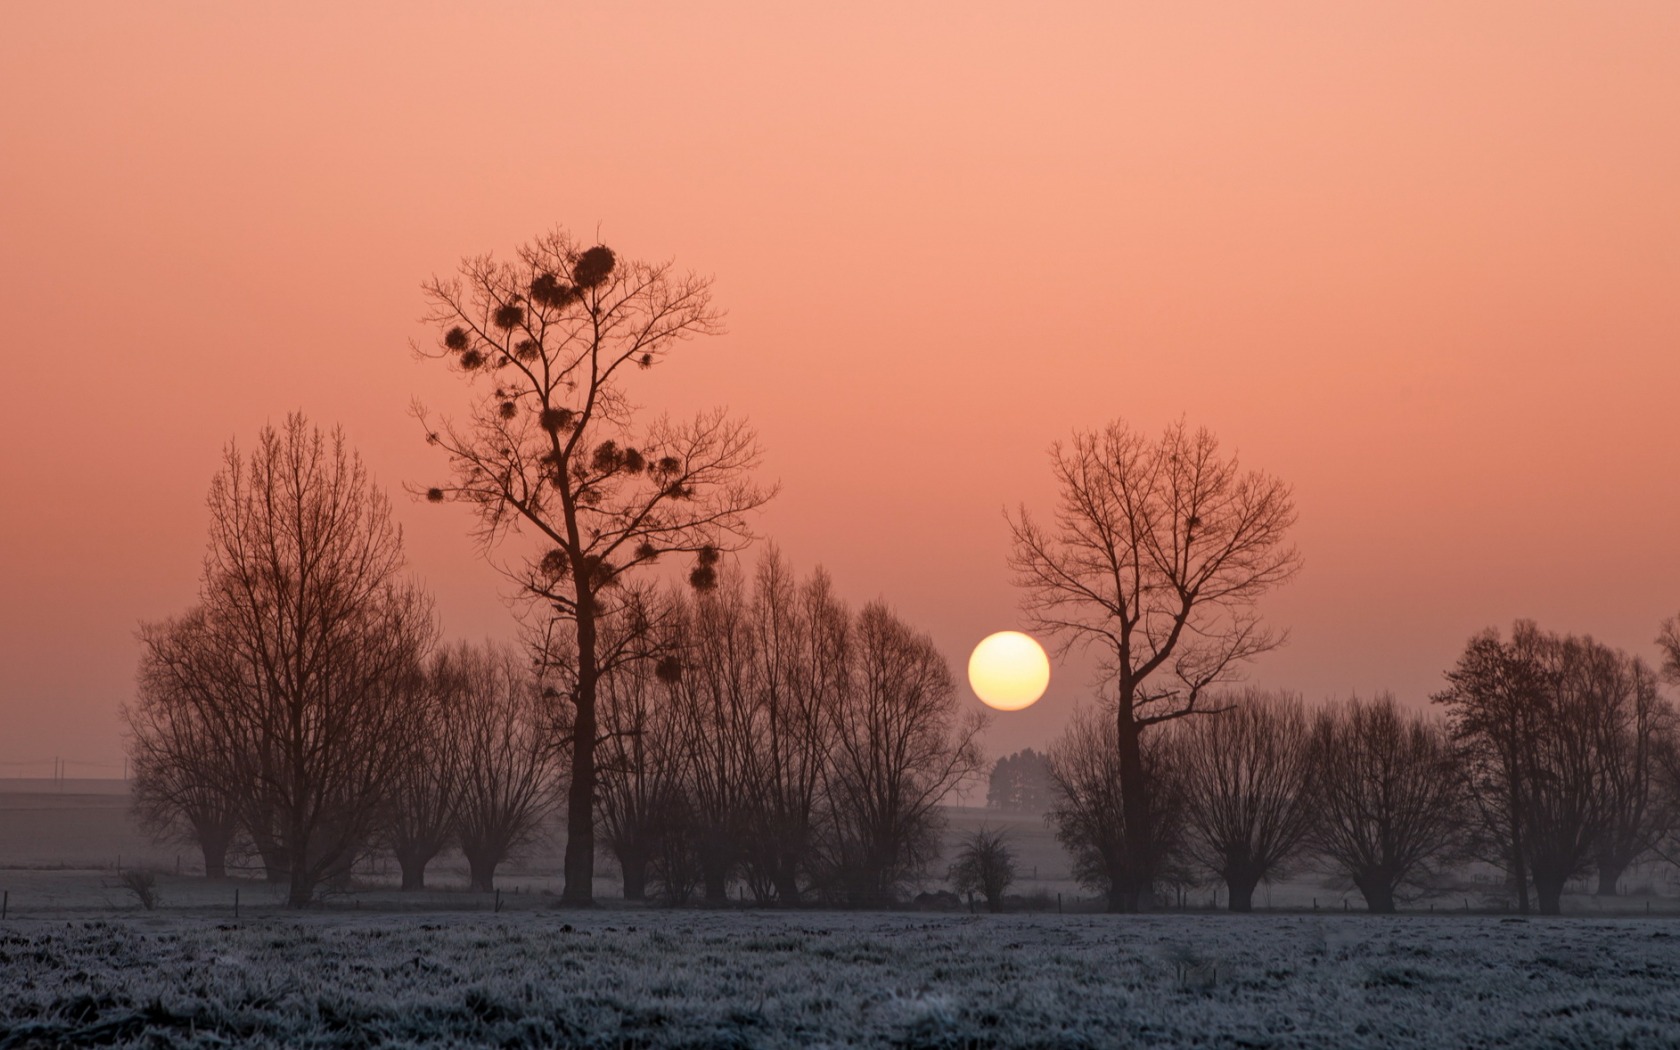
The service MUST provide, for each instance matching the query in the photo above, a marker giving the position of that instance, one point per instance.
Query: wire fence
(59, 769)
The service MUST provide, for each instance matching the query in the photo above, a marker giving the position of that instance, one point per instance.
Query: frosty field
(80, 963)
(666, 979)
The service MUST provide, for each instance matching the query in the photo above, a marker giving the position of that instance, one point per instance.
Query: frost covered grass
(667, 979)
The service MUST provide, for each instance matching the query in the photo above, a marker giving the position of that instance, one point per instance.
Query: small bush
(985, 864)
(143, 884)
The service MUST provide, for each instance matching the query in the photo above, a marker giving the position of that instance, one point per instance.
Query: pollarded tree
(506, 783)
(553, 451)
(1249, 789)
(802, 646)
(1564, 739)
(900, 748)
(712, 700)
(320, 633)
(1156, 558)
(1636, 731)
(421, 817)
(1391, 796)
(181, 770)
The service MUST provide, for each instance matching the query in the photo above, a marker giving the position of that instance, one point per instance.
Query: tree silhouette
(553, 452)
(1249, 788)
(299, 666)
(1391, 796)
(1021, 783)
(1155, 559)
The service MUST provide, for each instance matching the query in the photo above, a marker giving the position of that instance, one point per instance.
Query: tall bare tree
(1392, 797)
(1155, 560)
(553, 451)
(1248, 777)
(507, 762)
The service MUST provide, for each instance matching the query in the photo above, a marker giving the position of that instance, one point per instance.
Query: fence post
(5, 903)
(1059, 904)
(236, 903)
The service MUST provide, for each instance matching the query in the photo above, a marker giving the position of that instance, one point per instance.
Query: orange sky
(1420, 260)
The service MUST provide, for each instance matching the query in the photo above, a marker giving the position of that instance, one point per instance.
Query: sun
(1008, 670)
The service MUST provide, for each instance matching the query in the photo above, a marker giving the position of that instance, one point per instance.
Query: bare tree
(1157, 556)
(1248, 782)
(1563, 738)
(1089, 811)
(1637, 728)
(507, 762)
(552, 451)
(1493, 701)
(421, 819)
(713, 701)
(641, 759)
(985, 863)
(802, 642)
(1392, 797)
(181, 777)
(900, 749)
(1668, 640)
(310, 634)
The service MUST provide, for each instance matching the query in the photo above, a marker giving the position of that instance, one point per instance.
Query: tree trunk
(301, 891)
(1134, 880)
(277, 866)
(1378, 893)
(579, 890)
(1610, 869)
(215, 859)
(634, 866)
(481, 868)
(1549, 892)
(714, 867)
(1519, 863)
(413, 864)
(1240, 886)
(787, 881)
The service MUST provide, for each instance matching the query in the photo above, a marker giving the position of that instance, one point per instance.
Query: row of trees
(724, 729)
(755, 730)
(1556, 758)
(302, 708)
(781, 739)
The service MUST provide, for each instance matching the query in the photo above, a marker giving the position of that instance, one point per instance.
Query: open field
(62, 845)
(667, 979)
(80, 962)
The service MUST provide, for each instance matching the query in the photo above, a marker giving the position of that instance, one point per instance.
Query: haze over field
(1419, 264)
